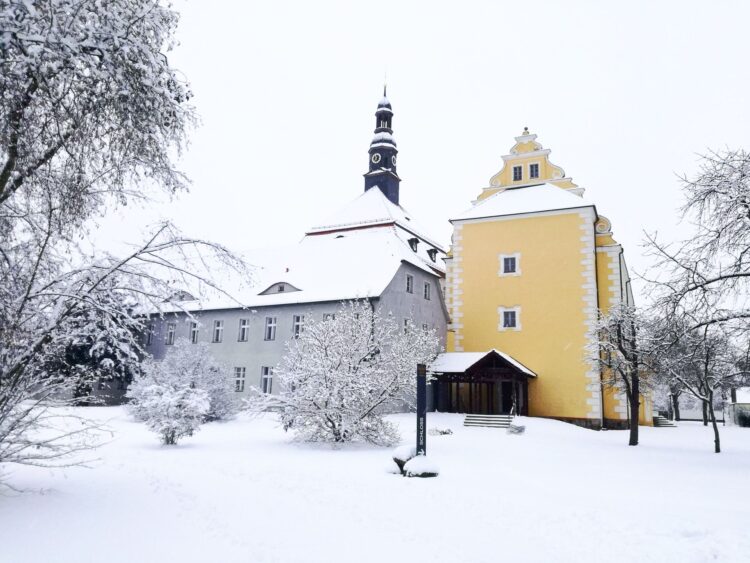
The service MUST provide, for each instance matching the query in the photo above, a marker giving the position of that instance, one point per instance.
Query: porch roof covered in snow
(468, 363)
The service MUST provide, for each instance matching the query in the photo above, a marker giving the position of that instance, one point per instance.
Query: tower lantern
(383, 153)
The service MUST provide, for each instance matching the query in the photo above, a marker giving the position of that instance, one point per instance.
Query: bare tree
(705, 363)
(705, 280)
(622, 344)
(91, 114)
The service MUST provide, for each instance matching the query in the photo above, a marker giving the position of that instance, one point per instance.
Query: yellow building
(531, 262)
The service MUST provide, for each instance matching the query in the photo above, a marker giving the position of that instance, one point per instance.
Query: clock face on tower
(393, 160)
(375, 158)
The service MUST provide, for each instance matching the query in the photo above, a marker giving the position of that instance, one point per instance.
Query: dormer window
(432, 253)
(517, 173)
(413, 243)
(281, 288)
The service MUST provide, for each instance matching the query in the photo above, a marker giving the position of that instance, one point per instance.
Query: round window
(375, 158)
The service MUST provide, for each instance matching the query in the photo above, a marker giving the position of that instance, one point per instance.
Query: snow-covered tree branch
(91, 114)
(705, 280)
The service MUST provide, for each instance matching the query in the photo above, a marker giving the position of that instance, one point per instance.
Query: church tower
(383, 153)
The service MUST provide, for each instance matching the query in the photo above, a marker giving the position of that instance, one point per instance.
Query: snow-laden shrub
(174, 396)
(342, 373)
(194, 365)
(421, 466)
(172, 411)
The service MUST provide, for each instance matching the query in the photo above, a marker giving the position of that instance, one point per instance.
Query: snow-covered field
(243, 492)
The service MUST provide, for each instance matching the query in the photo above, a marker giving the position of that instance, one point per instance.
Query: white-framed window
(266, 379)
(510, 264)
(169, 339)
(517, 173)
(150, 335)
(409, 283)
(244, 331)
(269, 333)
(427, 290)
(239, 379)
(510, 318)
(218, 334)
(534, 170)
(193, 332)
(298, 325)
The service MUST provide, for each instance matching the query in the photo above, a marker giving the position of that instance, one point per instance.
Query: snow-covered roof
(373, 208)
(333, 266)
(383, 137)
(527, 199)
(355, 255)
(459, 362)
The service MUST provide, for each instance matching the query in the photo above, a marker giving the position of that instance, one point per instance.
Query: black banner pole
(421, 409)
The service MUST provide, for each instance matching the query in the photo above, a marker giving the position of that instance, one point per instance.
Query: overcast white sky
(625, 95)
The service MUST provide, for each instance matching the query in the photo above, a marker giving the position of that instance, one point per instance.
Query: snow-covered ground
(243, 492)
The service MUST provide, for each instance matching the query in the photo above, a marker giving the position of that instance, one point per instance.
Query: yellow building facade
(531, 262)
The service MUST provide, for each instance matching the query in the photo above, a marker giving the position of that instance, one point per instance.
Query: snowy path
(240, 491)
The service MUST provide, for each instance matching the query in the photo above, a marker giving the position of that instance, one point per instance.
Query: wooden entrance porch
(480, 383)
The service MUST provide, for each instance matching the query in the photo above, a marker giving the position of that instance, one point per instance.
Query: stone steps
(661, 422)
(488, 420)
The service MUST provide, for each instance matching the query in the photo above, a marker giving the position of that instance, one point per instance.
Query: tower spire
(382, 167)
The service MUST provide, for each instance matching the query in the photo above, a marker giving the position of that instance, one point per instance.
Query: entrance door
(506, 391)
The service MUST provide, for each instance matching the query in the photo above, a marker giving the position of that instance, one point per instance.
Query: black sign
(421, 409)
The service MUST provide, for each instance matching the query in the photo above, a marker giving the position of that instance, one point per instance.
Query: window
(150, 335)
(425, 327)
(534, 170)
(239, 380)
(427, 290)
(170, 334)
(510, 264)
(329, 317)
(413, 243)
(270, 331)
(517, 173)
(218, 331)
(281, 288)
(266, 379)
(432, 253)
(409, 283)
(194, 332)
(244, 330)
(298, 325)
(510, 318)
(406, 326)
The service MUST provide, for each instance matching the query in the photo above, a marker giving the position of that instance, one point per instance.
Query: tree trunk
(634, 400)
(710, 406)
(676, 406)
(705, 414)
